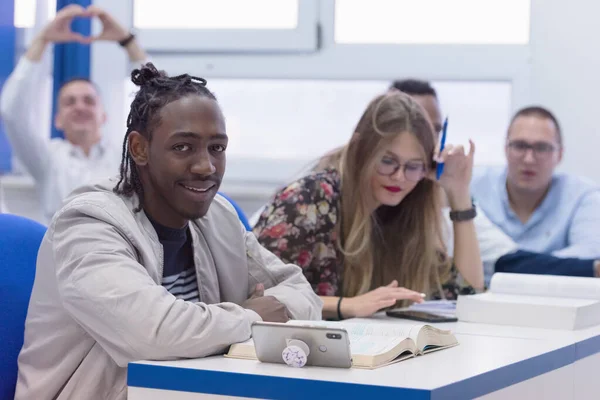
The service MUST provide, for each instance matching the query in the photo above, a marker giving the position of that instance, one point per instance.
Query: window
(25, 11)
(290, 119)
(290, 123)
(227, 25)
(210, 14)
(479, 111)
(432, 21)
(302, 119)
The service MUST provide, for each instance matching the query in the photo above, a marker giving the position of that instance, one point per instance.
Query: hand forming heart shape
(59, 30)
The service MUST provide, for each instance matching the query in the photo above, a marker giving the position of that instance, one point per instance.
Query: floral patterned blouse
(299, 226)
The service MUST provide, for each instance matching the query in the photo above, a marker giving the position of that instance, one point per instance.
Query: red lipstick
(393, 189)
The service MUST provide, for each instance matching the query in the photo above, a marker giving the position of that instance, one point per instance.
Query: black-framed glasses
(539, 149)
(413, 171)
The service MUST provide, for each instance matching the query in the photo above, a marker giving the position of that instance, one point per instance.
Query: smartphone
(420, 316)
(329, 347)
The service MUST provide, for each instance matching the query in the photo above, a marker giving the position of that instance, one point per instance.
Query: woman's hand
(456, 177)
(385, 296)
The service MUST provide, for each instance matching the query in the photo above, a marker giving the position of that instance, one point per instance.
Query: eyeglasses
(540, 150)
(413, 171)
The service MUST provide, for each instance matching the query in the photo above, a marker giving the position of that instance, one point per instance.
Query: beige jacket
(98, 304)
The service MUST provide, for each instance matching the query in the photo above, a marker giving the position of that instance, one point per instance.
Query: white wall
(565, 76)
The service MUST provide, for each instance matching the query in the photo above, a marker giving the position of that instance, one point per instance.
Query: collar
(166, 233)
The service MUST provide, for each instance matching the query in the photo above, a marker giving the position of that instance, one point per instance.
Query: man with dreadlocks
(60, 165)
(152, 265)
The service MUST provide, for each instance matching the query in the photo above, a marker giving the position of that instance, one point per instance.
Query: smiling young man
(154, 265)
(541, 210)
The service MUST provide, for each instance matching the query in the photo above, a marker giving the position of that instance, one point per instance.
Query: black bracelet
(127, 40)
(463, 215)
(339, 309)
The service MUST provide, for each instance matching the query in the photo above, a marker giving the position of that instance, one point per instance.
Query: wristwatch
(127, 40)
(463, 215)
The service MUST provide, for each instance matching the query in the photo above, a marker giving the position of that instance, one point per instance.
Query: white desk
(493, 362)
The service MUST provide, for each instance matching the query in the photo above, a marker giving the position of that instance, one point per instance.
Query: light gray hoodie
(98, 304)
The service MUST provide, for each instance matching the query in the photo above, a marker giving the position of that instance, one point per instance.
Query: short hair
(157, 89)
(79, 79)
(414, 87)
(541, 112)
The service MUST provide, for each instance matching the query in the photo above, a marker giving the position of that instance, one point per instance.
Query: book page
(373, 345)
(546, 285)
(381, 330)
(364, 329)
(243, 350)
(432, 339)
(370, 339)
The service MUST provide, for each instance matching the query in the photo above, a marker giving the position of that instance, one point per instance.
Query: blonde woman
(368, 232)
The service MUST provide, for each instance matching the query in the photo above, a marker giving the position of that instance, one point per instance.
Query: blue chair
(20, 240)
(239, 211)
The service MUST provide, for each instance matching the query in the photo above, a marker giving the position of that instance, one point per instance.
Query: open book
(373, 345)
(538, 301)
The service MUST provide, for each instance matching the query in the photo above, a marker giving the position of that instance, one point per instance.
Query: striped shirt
(179, 271)
(182, 285)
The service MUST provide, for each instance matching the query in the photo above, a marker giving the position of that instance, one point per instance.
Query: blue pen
(440, 166)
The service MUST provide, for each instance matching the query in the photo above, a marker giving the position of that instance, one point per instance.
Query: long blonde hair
(404, 242)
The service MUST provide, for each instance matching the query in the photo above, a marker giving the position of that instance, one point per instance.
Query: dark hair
(156, 91)
(541, 112)
(414, 87)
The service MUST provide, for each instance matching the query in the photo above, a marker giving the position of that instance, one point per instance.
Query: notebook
(373, 345)
(537, 301)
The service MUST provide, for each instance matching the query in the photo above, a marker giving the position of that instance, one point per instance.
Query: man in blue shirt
(540, 210)
(499, 252)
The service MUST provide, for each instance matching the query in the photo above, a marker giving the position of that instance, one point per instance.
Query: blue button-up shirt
(566, 223)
